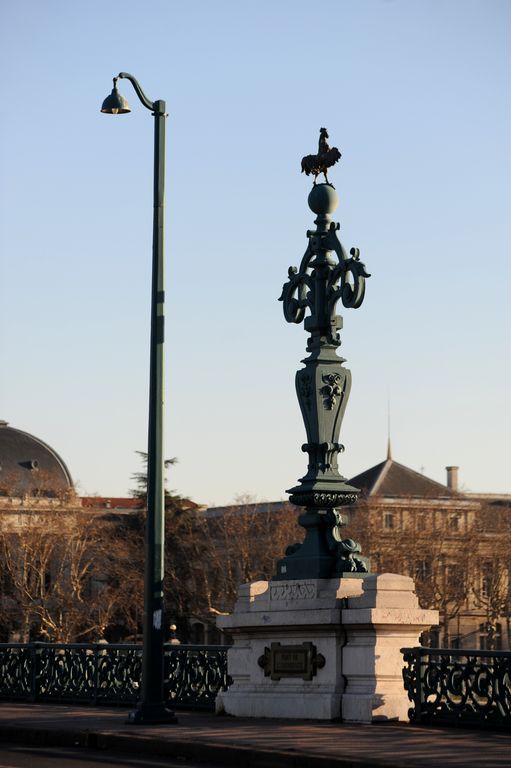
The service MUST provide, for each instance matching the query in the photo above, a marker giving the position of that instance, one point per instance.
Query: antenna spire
(389, 447)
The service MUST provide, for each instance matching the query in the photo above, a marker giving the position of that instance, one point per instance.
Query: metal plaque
(280, 661)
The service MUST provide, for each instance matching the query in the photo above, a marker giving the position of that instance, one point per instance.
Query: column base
(353, 630)
(299, 704)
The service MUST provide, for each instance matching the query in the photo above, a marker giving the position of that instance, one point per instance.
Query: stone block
(357, 625)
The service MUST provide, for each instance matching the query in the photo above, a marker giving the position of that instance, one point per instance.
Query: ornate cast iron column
(326, 274)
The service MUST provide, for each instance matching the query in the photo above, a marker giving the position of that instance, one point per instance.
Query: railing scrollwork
(99, 673)
(464, 687)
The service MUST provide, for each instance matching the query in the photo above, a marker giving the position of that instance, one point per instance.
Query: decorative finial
(320, 163)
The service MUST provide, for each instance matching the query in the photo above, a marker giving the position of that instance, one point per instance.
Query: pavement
(256, 743)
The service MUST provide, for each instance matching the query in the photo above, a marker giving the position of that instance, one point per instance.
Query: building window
(487, 579)
(197, 634)
(422, 570)
(451, 575)
(421, 523)
(388, 520)
(454, 523)
(490, 636)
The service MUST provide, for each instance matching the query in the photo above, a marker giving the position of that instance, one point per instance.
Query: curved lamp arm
(138, 90)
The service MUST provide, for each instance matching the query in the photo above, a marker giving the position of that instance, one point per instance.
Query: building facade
(455, 545)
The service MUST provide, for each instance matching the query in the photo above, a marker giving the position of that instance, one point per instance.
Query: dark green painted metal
(151, 708)
(458, 687)
(326, 274)
(109, 673)
(115, 104)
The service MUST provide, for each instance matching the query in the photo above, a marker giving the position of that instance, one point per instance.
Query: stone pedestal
(322, 649)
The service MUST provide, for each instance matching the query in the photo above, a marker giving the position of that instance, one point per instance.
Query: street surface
(231, 741)
(12, 756)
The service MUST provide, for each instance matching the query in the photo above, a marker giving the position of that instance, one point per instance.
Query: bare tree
(410, 540)
(208, 557)
(492, 570)
(66, 575)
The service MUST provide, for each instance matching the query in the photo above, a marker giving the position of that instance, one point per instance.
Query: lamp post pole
(151, 708)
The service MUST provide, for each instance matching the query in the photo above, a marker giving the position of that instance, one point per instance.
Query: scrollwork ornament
(347, 279)
(451, 686)
(353, 292)
(109, 674)
(295, 293)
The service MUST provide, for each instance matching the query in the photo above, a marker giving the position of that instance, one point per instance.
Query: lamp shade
(115, 104)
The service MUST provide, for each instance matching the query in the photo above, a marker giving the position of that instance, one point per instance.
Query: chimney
(452, 478)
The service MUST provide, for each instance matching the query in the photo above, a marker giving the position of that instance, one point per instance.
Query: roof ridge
(424, 477)
(391, 478)
(381, 477)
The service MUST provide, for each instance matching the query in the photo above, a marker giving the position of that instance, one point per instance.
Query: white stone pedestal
(356, 625)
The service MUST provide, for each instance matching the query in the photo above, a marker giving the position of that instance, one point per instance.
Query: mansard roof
(393, 479)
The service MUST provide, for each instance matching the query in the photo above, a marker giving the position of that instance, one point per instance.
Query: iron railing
(97, 673)
(463, 687)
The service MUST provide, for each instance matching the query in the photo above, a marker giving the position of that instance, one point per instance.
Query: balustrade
(445, 686)
(100, 673)
(460, 687)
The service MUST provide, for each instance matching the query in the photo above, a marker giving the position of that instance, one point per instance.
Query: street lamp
(151, 708)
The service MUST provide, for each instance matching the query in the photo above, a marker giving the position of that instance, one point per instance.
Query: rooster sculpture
(320, 163)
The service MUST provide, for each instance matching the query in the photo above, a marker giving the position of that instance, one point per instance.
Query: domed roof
(30, 467)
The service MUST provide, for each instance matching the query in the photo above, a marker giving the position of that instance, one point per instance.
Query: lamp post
(151, 708)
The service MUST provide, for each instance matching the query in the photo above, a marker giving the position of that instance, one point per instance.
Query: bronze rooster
(320, 163)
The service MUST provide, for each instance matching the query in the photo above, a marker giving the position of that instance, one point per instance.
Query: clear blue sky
(416, 95)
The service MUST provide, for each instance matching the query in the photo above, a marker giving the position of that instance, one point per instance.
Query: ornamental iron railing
(463, 687)
(98, 673)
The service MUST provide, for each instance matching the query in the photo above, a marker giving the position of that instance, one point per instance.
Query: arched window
(197, 634)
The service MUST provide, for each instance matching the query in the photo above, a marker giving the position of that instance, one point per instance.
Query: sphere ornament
(323, 198)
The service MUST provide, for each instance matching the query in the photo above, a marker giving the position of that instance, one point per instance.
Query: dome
(30, 467)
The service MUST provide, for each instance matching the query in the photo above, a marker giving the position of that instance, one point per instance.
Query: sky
(415, 93)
